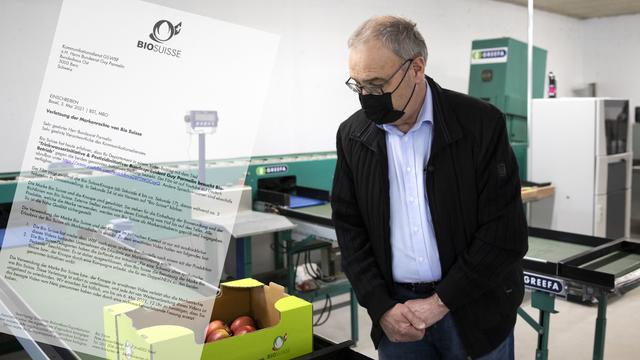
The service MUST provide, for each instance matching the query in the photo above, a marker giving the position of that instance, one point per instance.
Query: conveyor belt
(553, 250)
(320, 214)
(321, 211)
(551, 253)
(586, 261)
(618, 263)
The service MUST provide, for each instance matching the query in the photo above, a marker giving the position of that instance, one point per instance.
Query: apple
(216, 324)
(217, 334)
(244, 329)
(240, 321)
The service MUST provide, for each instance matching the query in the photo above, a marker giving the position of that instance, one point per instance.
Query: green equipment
(579, 267)
(499, 75)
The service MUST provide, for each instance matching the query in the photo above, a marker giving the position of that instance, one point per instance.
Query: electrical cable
(317, 273)
(309, 267)
(328, 305)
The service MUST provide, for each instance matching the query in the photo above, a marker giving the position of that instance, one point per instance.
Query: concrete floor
(571, 334)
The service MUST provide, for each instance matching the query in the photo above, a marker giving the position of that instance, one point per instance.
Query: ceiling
(584, 9)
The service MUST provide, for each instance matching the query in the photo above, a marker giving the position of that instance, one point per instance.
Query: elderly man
(426, 205)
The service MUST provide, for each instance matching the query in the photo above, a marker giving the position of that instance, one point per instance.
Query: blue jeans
(441, 341)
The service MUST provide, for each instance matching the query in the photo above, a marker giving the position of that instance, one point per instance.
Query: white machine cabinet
(584, 147)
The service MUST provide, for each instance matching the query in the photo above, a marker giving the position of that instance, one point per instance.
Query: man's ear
(418, 67)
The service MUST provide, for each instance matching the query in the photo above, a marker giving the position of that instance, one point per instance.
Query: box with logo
(284, 327)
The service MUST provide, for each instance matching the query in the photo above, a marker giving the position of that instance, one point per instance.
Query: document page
(134, 95)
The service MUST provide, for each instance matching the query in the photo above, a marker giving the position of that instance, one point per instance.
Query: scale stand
(201, 123)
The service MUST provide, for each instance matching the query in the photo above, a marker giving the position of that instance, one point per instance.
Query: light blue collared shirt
(414, 250)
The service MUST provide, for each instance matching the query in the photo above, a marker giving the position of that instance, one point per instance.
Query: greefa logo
(164, 30)
(544, 283)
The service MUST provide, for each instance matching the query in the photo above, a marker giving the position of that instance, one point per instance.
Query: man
(426, 205)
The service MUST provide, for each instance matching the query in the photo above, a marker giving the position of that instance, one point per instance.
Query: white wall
(26, 33)
(307, 99)
(563, 38)
(611, 55)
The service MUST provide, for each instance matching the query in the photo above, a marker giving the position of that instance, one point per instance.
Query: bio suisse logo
(162, 31)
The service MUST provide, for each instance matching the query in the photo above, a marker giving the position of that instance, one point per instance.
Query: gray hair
(397, 34)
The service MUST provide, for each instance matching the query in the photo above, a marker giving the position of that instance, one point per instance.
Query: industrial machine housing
(498, 75)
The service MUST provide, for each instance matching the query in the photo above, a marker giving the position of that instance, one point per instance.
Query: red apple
(240, 321)
(244, 329)
(216, 324)
(217, 334)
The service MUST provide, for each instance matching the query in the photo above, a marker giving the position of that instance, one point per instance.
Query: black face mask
(379, 108)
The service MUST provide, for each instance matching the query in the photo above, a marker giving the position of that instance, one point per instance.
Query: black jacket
(474, 195)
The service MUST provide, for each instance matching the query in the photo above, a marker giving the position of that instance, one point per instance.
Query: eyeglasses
(374, 89)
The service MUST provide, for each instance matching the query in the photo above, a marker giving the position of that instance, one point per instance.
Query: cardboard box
(284, 327)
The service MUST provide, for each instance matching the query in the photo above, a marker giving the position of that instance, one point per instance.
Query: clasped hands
(409, 321)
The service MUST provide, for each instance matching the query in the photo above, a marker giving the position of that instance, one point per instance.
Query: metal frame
(286, 247)
(338, 288)
(572, 269)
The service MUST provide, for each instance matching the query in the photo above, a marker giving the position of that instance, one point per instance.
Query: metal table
(315, 223)
(578, 266)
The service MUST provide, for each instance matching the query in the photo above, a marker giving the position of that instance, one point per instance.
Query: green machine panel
(314, 170)
(498, 74)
